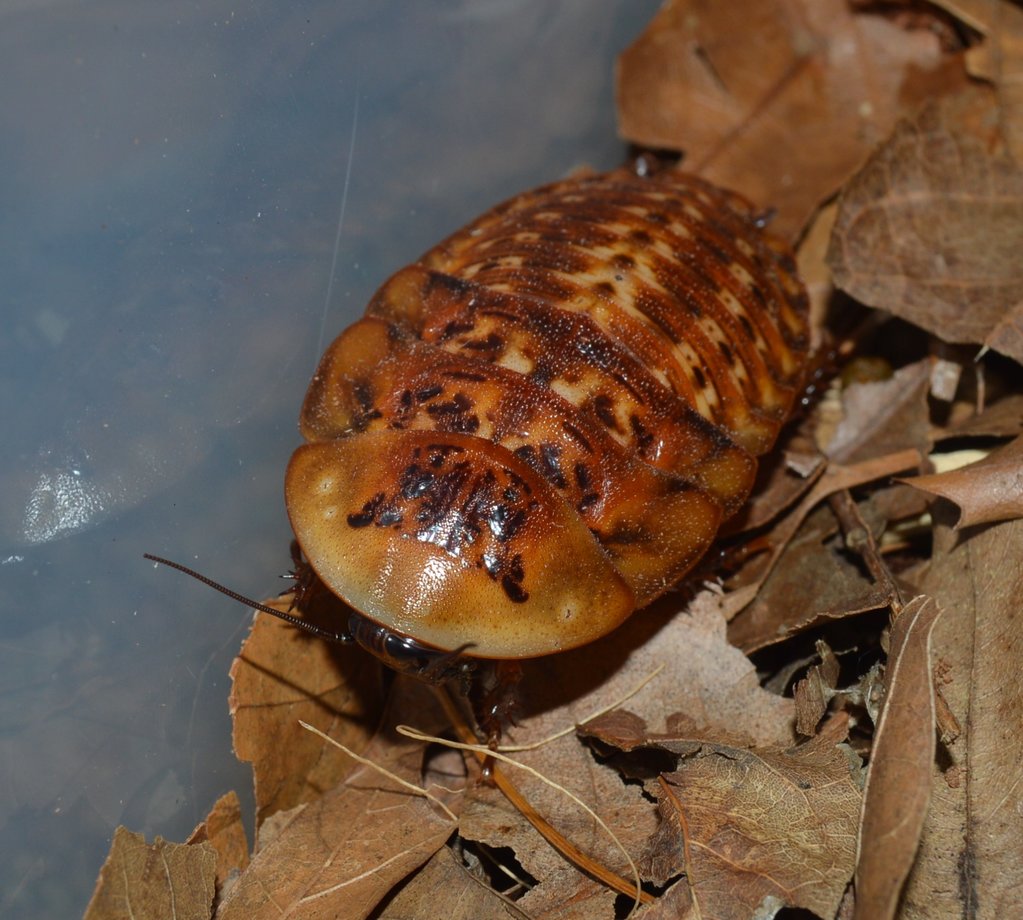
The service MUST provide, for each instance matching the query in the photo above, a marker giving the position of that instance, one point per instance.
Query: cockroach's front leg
(495, 701)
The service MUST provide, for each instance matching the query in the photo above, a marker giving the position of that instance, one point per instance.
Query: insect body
(539, 426)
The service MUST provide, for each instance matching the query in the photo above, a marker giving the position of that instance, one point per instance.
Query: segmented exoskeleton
(538, 427)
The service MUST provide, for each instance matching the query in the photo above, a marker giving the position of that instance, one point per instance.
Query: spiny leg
(495, 701)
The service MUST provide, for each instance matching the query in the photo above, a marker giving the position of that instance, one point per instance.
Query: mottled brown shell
(539, 426)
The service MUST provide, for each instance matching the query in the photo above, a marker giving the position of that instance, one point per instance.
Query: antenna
(242, 599)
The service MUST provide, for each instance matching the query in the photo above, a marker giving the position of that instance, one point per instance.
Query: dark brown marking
(493, 342)
(365, 517)
(511, 581)
(549, 454)
(576, 435)
(451, 330)
(603, 408)
(429, 392)
(363, 395)
(414, 481)
(644, 439)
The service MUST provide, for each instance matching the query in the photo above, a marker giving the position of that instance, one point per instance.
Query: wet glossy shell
(539, 426)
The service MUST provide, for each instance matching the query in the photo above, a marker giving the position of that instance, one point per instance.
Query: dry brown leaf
(899, 779)
(557, 889)
(986, 491)
(880, 417)
(1007, 335)
(813, 581)
(753, 626)
(999, 58)
(586, 902)
(931, 229)
(344, 851)
(341, 854)
(702, 675)
(445, 881)
(1003, 419)
(283, 675)
(749, 824)
(677, 904)
(970, 862)
(893, 503)
(223, 828)
(814, 692)
(766, 824)
(160, 879)
(780, 100)
(275, 823)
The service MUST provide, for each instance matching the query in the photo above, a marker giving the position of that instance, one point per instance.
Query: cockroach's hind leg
(495, 702)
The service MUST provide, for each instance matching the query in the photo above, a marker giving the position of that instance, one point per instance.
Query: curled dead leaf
(701, 674)
(998, 59)
(444, 880)
(969, 858)
(899, 778)
(986, 491)
(754, 625)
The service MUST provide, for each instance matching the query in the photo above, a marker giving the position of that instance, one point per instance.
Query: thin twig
(533, 745)
(860, 539)
(412, 787)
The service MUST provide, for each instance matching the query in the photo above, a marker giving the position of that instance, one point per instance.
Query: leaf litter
(835, 724)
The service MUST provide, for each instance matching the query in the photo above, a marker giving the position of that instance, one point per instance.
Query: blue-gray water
(173, 176)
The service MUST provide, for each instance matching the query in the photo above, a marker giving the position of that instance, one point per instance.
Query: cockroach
(538, 427)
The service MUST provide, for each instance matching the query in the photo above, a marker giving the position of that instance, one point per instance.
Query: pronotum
(539, 426)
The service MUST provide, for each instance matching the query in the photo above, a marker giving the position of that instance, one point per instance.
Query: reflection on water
(174, 175)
